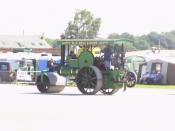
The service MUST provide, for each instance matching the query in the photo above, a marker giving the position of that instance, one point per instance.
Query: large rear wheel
(89, 80)
(109, 91)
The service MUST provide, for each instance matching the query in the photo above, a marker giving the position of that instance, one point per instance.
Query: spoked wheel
(130, 79)
(109, 91)
(89, 80)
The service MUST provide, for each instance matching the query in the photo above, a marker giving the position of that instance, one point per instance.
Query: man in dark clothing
(107, 57)
(51, 65)
(72, 55)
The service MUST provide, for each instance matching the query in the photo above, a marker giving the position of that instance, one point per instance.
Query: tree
(141, 44)
(170, 40)
(154, 38)
(114, 36)
(129, 46)
(84, 26)
(127, 35)
(52, 42)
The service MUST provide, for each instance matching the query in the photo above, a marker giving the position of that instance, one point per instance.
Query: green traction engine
(87, 69)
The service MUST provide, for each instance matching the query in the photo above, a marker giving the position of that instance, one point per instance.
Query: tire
(89, 80)
(130, 79)
(109, 91)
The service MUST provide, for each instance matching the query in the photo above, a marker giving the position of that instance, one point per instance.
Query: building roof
(164, 55)
(164, 59)
(14, 41)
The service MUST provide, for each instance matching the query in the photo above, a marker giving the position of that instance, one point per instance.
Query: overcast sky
(51, 16)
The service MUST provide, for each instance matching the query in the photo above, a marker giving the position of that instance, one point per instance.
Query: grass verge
(155, 86)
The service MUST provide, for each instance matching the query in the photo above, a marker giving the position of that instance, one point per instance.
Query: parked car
(25, 72)
(6, 71)
(151, 78)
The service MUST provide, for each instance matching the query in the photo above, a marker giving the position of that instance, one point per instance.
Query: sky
(35, 17)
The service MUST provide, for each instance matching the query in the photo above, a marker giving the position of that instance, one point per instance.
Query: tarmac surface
(23, 108)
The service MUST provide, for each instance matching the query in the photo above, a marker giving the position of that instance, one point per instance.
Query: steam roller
(51, 82)
(88, 69)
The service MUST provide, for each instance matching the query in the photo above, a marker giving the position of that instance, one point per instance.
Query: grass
(73, 84)
(155, 86)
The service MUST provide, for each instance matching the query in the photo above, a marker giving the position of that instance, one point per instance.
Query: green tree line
(85, 26)
(165, 40)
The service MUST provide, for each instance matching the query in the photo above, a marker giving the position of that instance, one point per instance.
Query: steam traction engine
(87, 69)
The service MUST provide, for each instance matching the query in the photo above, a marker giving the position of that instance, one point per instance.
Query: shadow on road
(171, 94)
(57, 94)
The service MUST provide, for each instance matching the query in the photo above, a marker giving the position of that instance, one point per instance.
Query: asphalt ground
(23, 108)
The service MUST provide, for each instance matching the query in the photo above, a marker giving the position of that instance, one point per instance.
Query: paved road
(23, 108)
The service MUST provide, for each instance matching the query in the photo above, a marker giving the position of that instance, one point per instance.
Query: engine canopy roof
(95, 42)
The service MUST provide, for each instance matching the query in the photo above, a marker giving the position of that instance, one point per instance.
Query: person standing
(107, 57)
(51, 64)
(72, 55)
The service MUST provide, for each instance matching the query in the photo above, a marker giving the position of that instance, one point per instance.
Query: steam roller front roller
(89, 80)
(51, 82)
